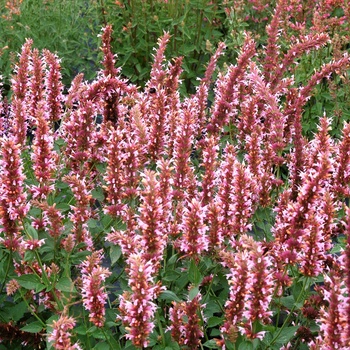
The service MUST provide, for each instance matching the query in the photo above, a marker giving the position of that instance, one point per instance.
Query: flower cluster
(94, 296)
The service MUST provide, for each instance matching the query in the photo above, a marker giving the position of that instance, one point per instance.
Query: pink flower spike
(93, 292)
(60, 336)
(194, 240)
(136, 307)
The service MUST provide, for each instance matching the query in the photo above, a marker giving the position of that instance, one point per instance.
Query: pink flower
(44, 158)
(151, 221)
(136, 307)
(194, 240)
(81, 211)
(93, 292)
(13, 206)
(60, 336)
(185, 322)
(53, 87)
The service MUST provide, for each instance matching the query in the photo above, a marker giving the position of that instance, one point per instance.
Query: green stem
(31, 310)
(286, 321)
(7, 271)
(161, 331)
(107, 339)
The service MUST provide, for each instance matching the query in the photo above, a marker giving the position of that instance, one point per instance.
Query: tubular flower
(81, 211)
(114, 173)
(44, 158)
(227, 89)
(150, 221)
(53, 87)
(185, 322)
(251, 288)
(60, 336)
(210, 163)
(13, 206)
(238, 278)
(79, 132)
(184, 136)
(94, 295)
(194, 240)
(136, 307)
(35, 85)
(18, 112)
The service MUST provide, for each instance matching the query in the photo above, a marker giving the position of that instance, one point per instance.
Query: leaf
(115, 253)
(194, 274)
(246, 346)
(171, 276)
(101, 346)
(33, 327)
(18, 310)
(211, 344)
(31, 231)
(288, 301)
(65, 284)
(168, 295)
(286, 334)
(214, 321)
(97, 193)
(30, 281)
(193, 293)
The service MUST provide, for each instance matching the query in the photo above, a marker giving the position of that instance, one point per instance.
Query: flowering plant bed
(139, 219)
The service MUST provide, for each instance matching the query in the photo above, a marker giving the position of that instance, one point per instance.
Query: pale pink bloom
(137, 307)
(93, 291)
(60, 336)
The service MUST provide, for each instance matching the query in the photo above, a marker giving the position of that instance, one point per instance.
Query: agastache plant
(139, 218)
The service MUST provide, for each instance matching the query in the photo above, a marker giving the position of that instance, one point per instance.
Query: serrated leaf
(246, 346)
(65, 284)
(101, 346)
(18, 310)
(288, 301)
(168, 295)
(33, 327)
(286, 334)
(29, 281)
(97, 193)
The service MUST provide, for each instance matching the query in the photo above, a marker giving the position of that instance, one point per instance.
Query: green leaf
(193, 293)
(18, 310)
(97, 193)
(101, 346)
(287, 334)
(30, 281)
(168, 295)
(65, 284)
(115, 253)
(214, 321)
(194, 274)
(33, 327)
(211, 344)
(31, 231)
(246, 345)
(171, 276)
(288, 301)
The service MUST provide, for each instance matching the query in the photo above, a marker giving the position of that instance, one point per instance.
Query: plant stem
(7, 271)
(31, 310)
(161, 331)
(286, 321)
